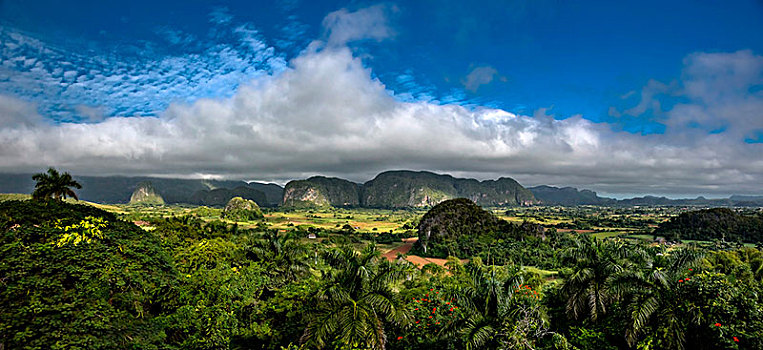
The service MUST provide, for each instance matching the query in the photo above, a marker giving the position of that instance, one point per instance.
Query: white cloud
(343, 26)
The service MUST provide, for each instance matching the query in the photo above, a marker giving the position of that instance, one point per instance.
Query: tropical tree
(589, 290)
(54, 185)
(655, 298)
(286, 258)
(500, 310)
(356, 301)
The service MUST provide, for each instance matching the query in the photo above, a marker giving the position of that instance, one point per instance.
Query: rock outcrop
(146, 194)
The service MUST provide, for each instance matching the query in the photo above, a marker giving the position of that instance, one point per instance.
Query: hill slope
(462, 228)
(75, 276)
(715, 223)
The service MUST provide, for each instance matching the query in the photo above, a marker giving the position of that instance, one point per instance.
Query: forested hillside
(713, 224)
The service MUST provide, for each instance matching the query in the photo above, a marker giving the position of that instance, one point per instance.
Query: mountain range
(389, 189)
(404, 189)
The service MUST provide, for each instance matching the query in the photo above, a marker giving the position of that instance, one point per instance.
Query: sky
(624, 98)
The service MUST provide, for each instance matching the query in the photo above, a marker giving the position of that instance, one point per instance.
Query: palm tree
(589, 289)
(54, 185)
(656, 300)
(488, 300)
(356, 301)
(287, 259)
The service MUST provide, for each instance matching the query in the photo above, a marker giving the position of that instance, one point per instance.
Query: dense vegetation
(73, 276)
(240, 209)
(713, 224)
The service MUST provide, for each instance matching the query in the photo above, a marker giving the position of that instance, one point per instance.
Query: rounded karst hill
(239, 209)
(453, 218)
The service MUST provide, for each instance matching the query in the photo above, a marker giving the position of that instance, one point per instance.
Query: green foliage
(711, 224)
(85, 231)
(100, 295)
(239, 209)
(74, 276)
(459, 227)
(355, 302)
(13, 197)
(585, 338)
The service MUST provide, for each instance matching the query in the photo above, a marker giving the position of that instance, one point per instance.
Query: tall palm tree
(589, 289)
(487, 299)
(356, 301)
(54, 185)
(654, 298)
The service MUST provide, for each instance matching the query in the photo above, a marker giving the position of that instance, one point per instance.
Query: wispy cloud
(343, 26)
(479, 76)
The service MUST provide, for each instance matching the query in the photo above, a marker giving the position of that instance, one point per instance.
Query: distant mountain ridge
(119, 189)
(570, 196)
(389, 189)
(403, 189)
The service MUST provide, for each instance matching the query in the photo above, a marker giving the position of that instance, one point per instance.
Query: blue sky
(599, 77)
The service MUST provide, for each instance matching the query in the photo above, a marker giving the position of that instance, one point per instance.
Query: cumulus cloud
(343, 26)
(481, 75)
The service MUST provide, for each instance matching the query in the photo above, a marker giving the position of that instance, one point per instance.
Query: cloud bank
(327, 114)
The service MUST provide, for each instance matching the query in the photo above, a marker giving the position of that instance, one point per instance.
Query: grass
(545, 274)
(607, 234)
(362, 220)
(642, 237)
(13, 197)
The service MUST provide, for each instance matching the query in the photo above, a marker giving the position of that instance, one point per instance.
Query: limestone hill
(462, 228)
(404, 189)
(240, 209)
(319, 191)
(146, 194)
